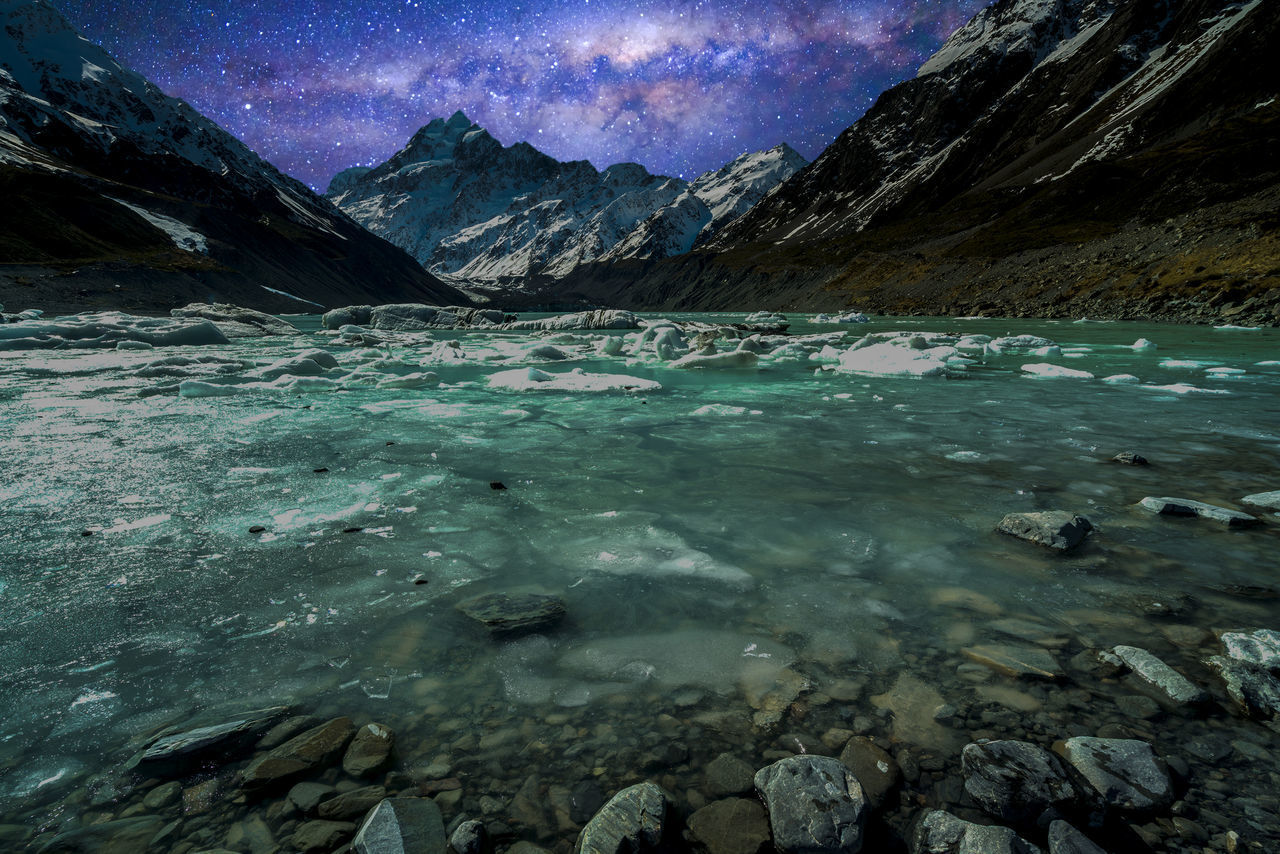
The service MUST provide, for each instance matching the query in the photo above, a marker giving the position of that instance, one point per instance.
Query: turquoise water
(840, 522)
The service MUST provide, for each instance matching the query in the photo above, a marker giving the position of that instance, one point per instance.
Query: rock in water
(1260, 647)
(470, 837)
(939, 832)
(351, 805)
(633, 822)
(875, 769)
(370, 750)
(178, 752)
(728, 775)
(315, 837)
(1268, 500)
(1129, 458)
(299, 756)
(733, 826)
(1187, 507)
(403, 826)
(1155, 672)
(1065, 839)
(815, 805)
(1015, 780)
(1125, 772)
(1057, 529)
(1253, 688)
(122, 836)
(505, 615)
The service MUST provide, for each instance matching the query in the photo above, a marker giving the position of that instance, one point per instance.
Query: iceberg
(532, 379)
(107, 329)
(896, 357)
(1044, 369)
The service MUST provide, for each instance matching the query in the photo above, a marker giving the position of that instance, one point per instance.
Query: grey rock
(287, 728)
(584, 799)
(728, 775)
(122, 836)
(163, 795)
(1155, 672)
(1255, 690)
(1057, 529)
(940, 832)
(1187, 507)
(252, 833)
(307, 796)
(526, 847)
(402, 826)
(304, 754)
(1269, 500)
(1260, 647)
(351, 805)
(321, 836)
(505, 615)
(1129, 458)
(470, 837)
(732, 826)
(1015, 781)
(1125, 772)
(634, 821)
(875, 769)
(369, 751)
(815, 804)
(1016, 661)
(1065, 839)
(177, 752)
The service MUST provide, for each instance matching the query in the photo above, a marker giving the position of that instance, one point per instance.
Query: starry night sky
(680, 86)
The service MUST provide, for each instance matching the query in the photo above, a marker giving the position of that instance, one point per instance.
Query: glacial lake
(746, 555)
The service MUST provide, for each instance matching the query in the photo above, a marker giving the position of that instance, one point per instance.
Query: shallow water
(711, 539)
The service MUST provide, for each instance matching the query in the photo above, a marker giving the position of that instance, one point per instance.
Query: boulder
(1065, 839)
(1161, 676)
(1266, 500)
(1187, 507)
(732, 826)
(470, 837)
(506, 616)
(351, 805)
(315, 837)
(634, 821)
(940, 832)
(1129, 458)
(1057, 529)
(1254, 689)
(1015, 781)
(815, 805)
(300, 756)
(875, 769)
(370, 750)
(1260, 647)
(1125, 772)
(728, 775)
(179, 752)
(403, 826)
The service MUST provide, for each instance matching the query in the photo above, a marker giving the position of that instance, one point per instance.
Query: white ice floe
(1121, 379)
(724, 410)
(421, 379)
(200, 388)
(847, 317)
(107, 329)
(732, 359)
(1225, 372)
(770, 317)
(308, 363)
(1182, 363)
(1142, 344)
(532, 379)
(598, 319)
(1232, 328)
(1044, 369)
(1185, 388)
(1017, 343)
(896, 357)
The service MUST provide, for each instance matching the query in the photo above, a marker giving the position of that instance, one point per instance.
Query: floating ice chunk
(965, 456)
(847, 317)
(133, 345)
(1232, 328)
(724, 410)
(1185, 388)
(828, 355)
(892, 358)
(119, 526)
(1225, 372)
(732, 359)
(598, 319)
(200, 388)
(1181, 363)
(1121, 379)
(973, 342)
(610, 346)
(770, 317)
(792, 353)
(532, 379)
(548, 352)
(1044, 369)
(1142, 344)
(308, 363)
(1021, 343)
(306, 384)
(423, 379)
(1051, 352)
(106, 329)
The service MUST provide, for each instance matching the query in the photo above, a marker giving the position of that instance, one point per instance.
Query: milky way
(316, 86)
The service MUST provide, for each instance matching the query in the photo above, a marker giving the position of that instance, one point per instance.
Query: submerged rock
(1057, 529)
(733, 826)
(1015, 660)
(634, 821)
(506, 616)
(351, 805)
(1260, 647)
(728, 775)
(1065, 839)
(1129, 458)
(470, 837)
(1125, 772)
(1155, 672)
(178, 752)
(1269, 500)
(304, 754)
(370, 750)
(402, 826)
(122, 836)
(815, 804)
(940, 832)
(1187, 507)
(1015, 781)
(875, 769)
(321, 836)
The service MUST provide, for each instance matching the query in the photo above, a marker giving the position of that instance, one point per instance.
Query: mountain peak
(459, 120)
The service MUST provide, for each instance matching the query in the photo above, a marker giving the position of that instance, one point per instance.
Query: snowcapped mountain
(475, 212)
(1053, 157)
(120, 193)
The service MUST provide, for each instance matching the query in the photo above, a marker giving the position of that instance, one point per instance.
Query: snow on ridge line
(183, 236)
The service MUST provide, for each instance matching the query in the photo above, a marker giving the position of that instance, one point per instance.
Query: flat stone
(304, 754)
(1057, 529)
(733, 826)
(470, 837)
(351, 805)
(505, 615)
(369, 751)
(940, 832)
(1269, 500)
(176, 753)
(875, 769)
(252, 833)
(122, 836)
(1254, 689)
(634, 821)
(1260, 647)
(1187, 507)
(285, 730)
(163, 795)
(307, 796)
(1026, 630)
(1065, 839)
(1015, 781)
(1156, 673)
(314, 837)
(1125, 772)
(1129, 458)
(402, 826)
(1015, 660)
(815, 804)
(728, 775)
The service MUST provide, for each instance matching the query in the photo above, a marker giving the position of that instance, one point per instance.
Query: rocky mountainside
(1055, 157)
(476, 212)
(118, 195)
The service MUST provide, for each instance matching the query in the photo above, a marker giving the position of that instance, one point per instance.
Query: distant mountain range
(118, 195)
(477, 213)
